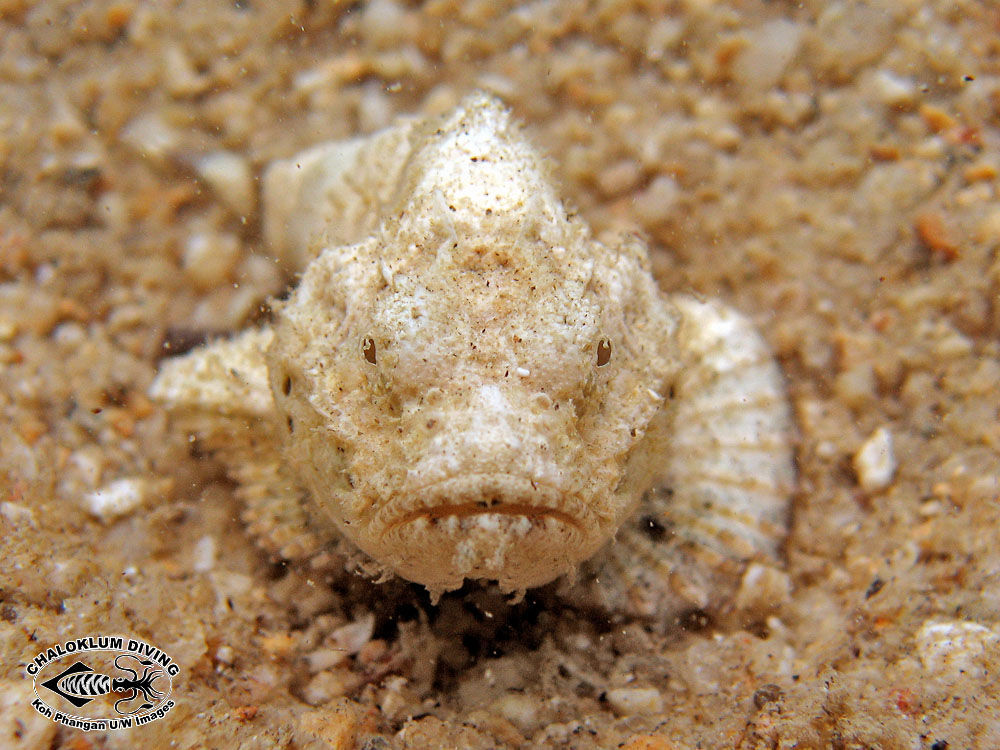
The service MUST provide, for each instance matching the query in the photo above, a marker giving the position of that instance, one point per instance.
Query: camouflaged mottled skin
(465, 384)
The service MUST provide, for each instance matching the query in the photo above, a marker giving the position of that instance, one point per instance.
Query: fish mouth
(473, 495)
(502, 527)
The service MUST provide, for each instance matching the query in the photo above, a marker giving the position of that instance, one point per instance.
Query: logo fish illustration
(79, 684)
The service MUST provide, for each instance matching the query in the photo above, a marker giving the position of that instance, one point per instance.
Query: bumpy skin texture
(468, 385)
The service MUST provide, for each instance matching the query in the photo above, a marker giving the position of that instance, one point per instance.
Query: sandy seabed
(829, 168)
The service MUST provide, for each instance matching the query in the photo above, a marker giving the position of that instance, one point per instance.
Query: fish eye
(368, 349)
(603, 352)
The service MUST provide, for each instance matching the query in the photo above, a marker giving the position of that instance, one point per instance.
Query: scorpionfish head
(480, 389)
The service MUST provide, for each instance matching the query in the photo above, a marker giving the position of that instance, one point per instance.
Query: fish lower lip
(464, 510)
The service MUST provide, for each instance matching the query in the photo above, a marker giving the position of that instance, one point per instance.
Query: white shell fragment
(230, 177)
(874, 463)
(467, 385)
(953, 648)
(119, 498)
(632, 701)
